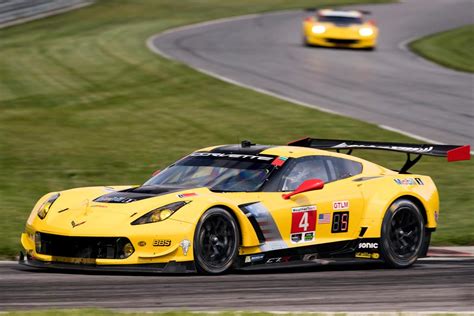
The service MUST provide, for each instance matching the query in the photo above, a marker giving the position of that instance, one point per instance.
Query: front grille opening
(81, 247)
(342, 41)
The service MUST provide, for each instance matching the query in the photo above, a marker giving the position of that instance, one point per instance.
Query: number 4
(304, 222)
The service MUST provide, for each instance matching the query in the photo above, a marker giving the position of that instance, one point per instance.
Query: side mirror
(155, 173)
(372, 22)
(308, 185)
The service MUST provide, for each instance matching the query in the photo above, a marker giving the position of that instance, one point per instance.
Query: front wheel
(403, 234)
(216, 241)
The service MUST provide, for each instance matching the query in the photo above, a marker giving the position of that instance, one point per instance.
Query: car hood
(107, 210)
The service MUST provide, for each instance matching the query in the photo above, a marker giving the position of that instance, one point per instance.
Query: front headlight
(159, 214)
(45, 207)
(366, 31)
(318, 29)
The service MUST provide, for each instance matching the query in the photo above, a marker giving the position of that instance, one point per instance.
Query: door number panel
(303, 219)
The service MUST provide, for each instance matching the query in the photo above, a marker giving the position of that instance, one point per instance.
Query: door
(330, 214)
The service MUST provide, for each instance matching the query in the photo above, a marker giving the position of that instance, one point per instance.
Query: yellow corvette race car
(337, 28)
(245, 206)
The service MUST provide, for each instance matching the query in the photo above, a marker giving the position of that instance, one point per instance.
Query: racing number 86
(340, 222)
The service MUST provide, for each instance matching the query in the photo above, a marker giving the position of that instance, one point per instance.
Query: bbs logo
(161, 242)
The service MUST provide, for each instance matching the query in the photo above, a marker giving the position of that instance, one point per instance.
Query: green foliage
(454, 49)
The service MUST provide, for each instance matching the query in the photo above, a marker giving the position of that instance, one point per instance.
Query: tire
(426, 244)
(216, 242)
(305, 42)
(403, 234)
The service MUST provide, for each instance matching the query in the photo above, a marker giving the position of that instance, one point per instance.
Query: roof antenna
(246, 143)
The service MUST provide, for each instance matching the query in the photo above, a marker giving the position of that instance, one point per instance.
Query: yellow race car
(245, 206)
(338, 28)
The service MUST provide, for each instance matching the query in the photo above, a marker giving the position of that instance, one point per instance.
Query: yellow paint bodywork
(368, 199)
(335, 33)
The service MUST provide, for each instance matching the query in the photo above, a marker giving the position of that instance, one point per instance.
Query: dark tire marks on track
(428, 286)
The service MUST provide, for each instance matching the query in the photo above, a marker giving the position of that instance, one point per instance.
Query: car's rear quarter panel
(380, 193)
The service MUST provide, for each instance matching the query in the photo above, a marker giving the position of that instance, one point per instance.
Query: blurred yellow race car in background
(340, 28)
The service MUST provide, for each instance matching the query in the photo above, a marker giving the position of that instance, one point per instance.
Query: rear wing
(452, 152)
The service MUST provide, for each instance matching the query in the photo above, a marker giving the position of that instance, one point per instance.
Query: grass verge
(83, 102)
(453, 49)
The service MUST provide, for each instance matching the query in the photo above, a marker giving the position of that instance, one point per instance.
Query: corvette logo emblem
(74, 224)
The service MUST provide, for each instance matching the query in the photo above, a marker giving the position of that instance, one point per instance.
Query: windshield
(340, 20)
(217, 171)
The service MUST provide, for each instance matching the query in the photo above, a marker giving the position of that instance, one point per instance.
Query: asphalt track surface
(429, 285)
(390, 86)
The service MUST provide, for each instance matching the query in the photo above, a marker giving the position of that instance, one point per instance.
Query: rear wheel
(216, 241)
(403, 234)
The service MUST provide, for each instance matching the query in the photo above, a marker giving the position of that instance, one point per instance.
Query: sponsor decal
(74, 224)
(304, 208)
(324, 218)
(279, 161)
(185, 244)
(303, 219)
(340, 222)
(367, 255)
(231, 156)
(296, 238)
(309, 236)
(409, 181)
(186, 195)
(340, 205)
(399, 148)
(254, 258)
(436, 214)
(161, 243)
(302, 237)
(115, 199)
(368, 245)
(278, 260)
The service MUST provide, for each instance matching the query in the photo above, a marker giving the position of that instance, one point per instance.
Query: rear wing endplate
(452, 152)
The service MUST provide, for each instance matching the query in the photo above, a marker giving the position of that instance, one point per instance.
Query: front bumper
(370, 42)
(169, 267)
(153, 244)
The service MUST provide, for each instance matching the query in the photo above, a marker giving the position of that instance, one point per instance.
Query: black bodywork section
(81, 247)
(239, 149)
(135, 194)
(169, 267)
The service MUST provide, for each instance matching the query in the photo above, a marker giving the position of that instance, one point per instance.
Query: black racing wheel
(216, 241)
(403, 234)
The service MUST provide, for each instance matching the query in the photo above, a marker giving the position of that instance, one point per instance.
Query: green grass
(453, 49)
(83, 102)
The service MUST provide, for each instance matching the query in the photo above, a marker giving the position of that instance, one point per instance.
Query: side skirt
(361, 249)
